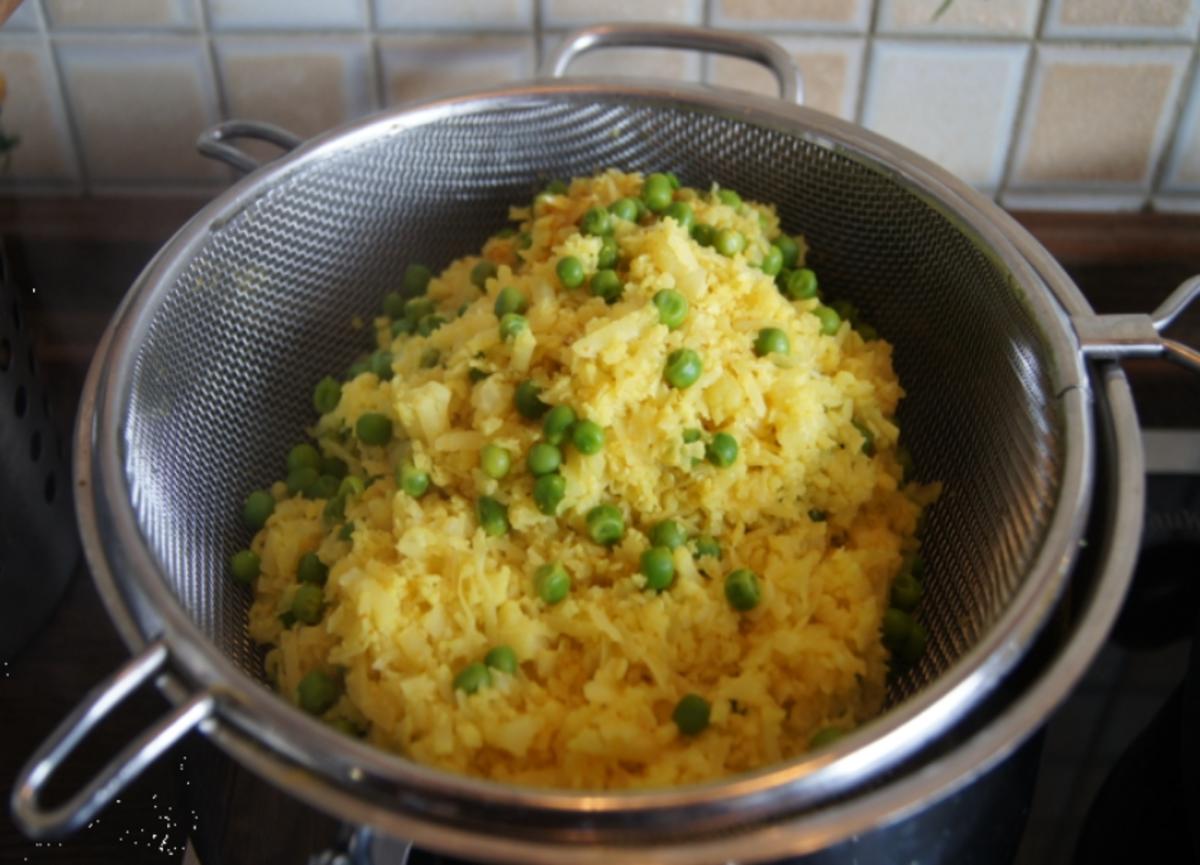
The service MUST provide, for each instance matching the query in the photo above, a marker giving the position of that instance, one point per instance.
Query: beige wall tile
(1097, 116)
(118, 14)
(953, 102)
(34, 111)
(138, 106)
(1183, 168)
(851, 15)
(1008, 17)
(466, 14)
(307, 86)
(287, 14)
(421, 67)
(572, 13)
(830, 68)
(1123, 18)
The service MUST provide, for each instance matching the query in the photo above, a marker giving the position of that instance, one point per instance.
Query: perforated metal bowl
(209, 362)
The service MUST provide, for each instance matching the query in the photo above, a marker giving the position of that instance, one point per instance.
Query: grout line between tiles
(375, 59)
(1189, 83)
(538, 30)
(60, 82)
(1018, 124)
(707, 73)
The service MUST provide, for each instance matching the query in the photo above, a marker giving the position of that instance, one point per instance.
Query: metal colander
(207, 373)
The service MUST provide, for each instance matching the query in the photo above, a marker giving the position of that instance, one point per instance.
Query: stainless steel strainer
(209, 364)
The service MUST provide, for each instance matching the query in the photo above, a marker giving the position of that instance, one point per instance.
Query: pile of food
(617, 503)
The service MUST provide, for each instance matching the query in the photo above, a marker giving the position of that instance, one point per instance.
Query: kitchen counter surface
(76, 258)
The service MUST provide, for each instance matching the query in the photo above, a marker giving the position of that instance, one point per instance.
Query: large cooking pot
(1003, 361)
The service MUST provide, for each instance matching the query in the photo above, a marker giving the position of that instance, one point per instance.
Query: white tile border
(859, 23)
(1176, 57)
(1055, 29)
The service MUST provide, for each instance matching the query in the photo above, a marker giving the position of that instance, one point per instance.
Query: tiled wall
(1087, 104)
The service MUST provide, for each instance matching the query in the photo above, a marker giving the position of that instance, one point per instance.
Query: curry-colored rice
(419, 590)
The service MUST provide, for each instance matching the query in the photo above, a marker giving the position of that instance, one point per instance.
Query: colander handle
(758, 49)
(214, 142)
(39, 822)
(1113, 337)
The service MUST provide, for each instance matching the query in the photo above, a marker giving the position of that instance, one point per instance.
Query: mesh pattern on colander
(223, 380)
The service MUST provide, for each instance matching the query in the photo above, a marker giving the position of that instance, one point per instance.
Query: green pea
(334, 466)
(303, 456)
(511, 324)
(308, 604)
(825, 736)
(672, 179)
(418, 308)
(913, 646)
(493, 516)
(658, 567)
(830, 321)
(772, 340)
(543, 459)
(800, 284)
(552, 582)
(906, 592)
(606, 284)
(706, 545)
(326, 395)
(788, 249)
(393, 304)
(896, 626)
(524, 240)
(624, 208)
(557, 425)
(672, 307)
(867, 331)
(722, 451)
(868, 437)
(312, 570)
(416, 279)
(657, 193)
(502, 658)
(845, 310)
(286, 618)
(430, 358)
(510, 299)
(729, 198)
(356, 369)
(817, 515)
(588, 437)
(476, 375)
(495, 461)
(412, 480)
(317, 692)
(472, 677)
(526, 399)
(301, 480)
(380, 363)
(772, 261)
(704, 234)
(741, 590)
(259, 505)
(570, 271)
(557, 187)
(351, 485)
(683, 368)
(347, 728)
(335, 510)
(691, 714)
(596, 222)
(373, 428)
(729, 242)
(482, 272)
(548, 492)
(669, 534)
(682, 213)
(245, 566)
(403, 327)
(346, 532)
(692, 435)
(606, 525)
(325, 487)
(916, 566)
(427, 324)
(607, 257)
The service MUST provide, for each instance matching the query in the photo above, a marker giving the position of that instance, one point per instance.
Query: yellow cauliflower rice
(470, 579)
